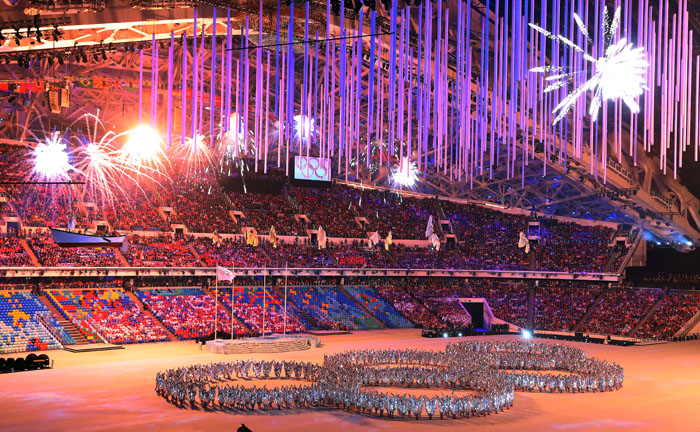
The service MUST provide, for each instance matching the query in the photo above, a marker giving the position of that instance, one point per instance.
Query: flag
(435, 241)
(429, 228)
(273, 237)
(224, 274)
(250, 238)
(321, 238)
(374, 239)
(387, 241)
(523, 242)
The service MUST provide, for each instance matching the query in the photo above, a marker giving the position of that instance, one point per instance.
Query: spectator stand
(20, 329)
(379, 308)
(187, 312)
(111, 313)
(250, 302)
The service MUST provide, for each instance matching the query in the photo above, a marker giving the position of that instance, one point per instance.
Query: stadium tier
(330, 306)
(161, 251)
(50, 254)
(12, 254)
(187, 312)
(379, 308)
(230, 253)
(20, 328)
(111, 313)
(250, 302)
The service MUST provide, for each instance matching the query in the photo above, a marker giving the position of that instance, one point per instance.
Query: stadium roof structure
(95, 53)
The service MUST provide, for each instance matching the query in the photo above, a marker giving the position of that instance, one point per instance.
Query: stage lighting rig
(63, 7)
(164, 4)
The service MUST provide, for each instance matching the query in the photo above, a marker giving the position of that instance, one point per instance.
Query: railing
(43, 319)
(78, 324)
(299, 271)
(692, 322)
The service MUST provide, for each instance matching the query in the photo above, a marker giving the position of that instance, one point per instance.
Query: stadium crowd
(12, 254)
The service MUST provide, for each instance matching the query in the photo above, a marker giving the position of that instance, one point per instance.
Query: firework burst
(50, 159)
(193, 160)
(619, 74)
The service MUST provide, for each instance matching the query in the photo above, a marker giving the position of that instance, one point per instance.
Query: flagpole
(216, 305)
(285, 299)
(263, 325)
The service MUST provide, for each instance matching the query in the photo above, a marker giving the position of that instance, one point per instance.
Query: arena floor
(113, 390)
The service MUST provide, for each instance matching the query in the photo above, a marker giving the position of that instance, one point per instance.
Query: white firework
(619, 74)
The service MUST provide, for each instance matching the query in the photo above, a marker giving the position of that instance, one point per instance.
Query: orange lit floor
(113, 390)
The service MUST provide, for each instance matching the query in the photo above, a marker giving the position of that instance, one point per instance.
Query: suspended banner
(70, 239)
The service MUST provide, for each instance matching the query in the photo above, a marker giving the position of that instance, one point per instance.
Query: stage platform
(594, 338)
(91, 348)
(328, 332)
(269, 344)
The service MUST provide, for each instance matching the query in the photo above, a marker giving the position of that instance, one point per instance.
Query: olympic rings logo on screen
(311, 168)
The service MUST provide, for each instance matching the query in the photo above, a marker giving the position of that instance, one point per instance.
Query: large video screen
(312, 168)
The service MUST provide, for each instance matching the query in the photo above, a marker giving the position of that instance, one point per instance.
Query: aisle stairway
(690, 327)
(120, 257)
(361, 306)
(137, 301)
(30, 252)
(589, 311)
(194, 252)
(71, 329)
(649, 313)
(307, 319)
(608, 265)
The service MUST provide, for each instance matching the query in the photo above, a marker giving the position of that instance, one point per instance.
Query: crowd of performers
(493, 371)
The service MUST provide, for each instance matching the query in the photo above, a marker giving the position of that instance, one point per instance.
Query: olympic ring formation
(493, 371)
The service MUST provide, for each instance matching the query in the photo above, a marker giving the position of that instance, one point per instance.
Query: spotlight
(527, 334)
(459, 334)
(143, 145)
(445, 335)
